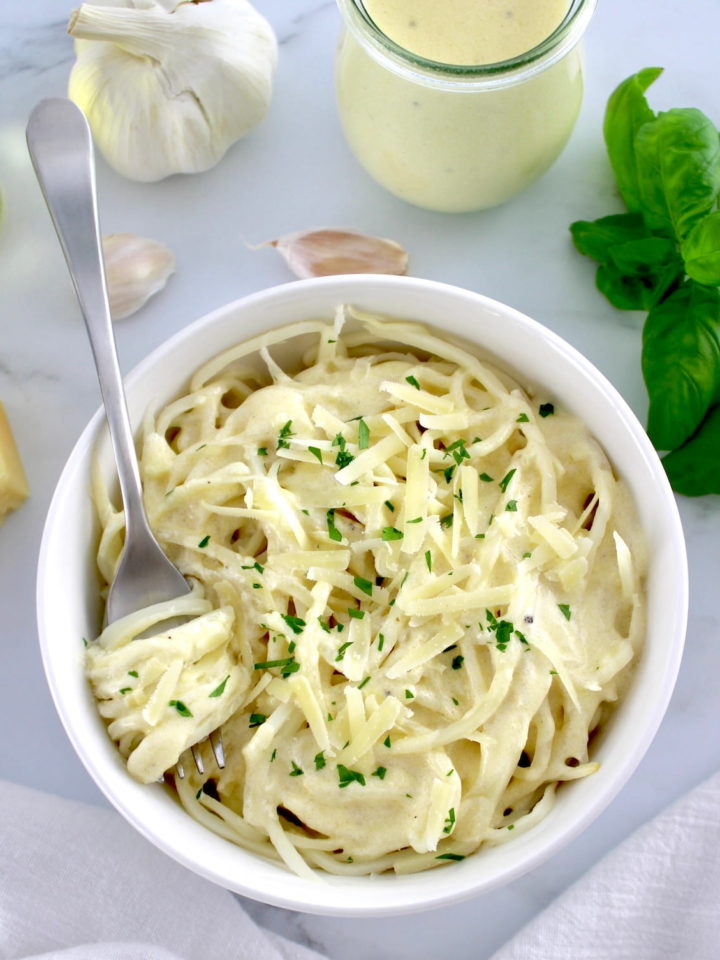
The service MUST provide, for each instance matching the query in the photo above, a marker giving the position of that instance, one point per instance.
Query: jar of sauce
(458, 105)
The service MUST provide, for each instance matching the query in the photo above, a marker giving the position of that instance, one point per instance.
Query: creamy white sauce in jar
(461, 105)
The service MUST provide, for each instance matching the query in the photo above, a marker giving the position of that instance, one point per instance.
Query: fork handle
(61, 149)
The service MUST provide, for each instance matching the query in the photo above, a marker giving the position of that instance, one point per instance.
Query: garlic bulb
(327, 252)
(168, 85)
(135, 269)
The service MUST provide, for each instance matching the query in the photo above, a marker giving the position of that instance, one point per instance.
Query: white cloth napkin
(78, 883)
(655, 897)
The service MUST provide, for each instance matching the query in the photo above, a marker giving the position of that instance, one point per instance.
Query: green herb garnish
(564, 609)
(180, 707)
(286, 432)
(506, 479)
(257, 720)
(317, 453)
(362, 584)
(413, 382)
(220, 688)
(341, 650)
(295, 623)
(363, 435)
(333, 531)
(346, 777)
(356, 614)
(320, 760)
(391, 533)
(450, 856)
(204, 542)
(546, 409)
(296, 770)
(379, 773)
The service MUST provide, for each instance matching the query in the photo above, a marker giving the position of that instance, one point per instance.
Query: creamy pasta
(418, 593)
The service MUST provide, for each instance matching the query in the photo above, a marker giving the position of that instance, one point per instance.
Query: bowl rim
(456, 884)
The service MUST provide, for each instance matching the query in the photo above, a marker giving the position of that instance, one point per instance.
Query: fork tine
(197, 757)
(216, 742)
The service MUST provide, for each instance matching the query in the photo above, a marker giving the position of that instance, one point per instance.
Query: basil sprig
(663, 256)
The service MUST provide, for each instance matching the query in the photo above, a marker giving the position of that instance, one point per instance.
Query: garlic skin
(135, 269)
(168, 85)
(327, 252)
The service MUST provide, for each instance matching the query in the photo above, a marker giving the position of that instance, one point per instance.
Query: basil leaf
(627, 110)
(678, 170)
(694, 469)
(701, 251)
(595, 238)
(652, 260)
(623, 292)
(681, 362)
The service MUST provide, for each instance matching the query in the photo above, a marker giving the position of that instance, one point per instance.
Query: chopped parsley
(391, 533)
(448, 473)
(381, 642)
(486, 478)
(356, 614)
(362, 584)
(317, 453)
(343, 459)
(286, 432)
(458, 451)
(341, 650)
(546, 409)
(413, 382)
(379, 773)
(296, 770)
(449, 820)
(523, 418)
(295, 623)
(506, 479)
(363, 435)
(262, 451)
(204, 542)
(390, 507)
(266, 664)
(333, 531)
(564, 609)
(257, 720)
(180, 707)
(387, 742)
(257, 586)
(428, 560)
(511, 506)
(414, 520)
(220, 688)
(447, 520)
(133, 673)
(409, 695)
(273, 755)
(457, 662)
(450, 856)
(361, 685)
(320, 760)
(125, 690)
(253, 566)
(346, 777)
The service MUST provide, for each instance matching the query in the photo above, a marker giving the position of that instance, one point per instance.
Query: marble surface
(295, 172)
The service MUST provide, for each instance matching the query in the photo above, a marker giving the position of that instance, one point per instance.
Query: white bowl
(68, 607)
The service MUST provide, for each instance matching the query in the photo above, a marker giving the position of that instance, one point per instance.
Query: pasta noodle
(418, 593)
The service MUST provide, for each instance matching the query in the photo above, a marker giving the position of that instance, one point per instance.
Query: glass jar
(454, 137)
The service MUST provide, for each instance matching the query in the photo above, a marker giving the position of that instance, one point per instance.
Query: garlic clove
(326, 252)
(135, 269)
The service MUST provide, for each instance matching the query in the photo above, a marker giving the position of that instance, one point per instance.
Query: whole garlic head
(168, 85)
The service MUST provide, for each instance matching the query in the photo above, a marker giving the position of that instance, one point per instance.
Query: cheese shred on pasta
(419, 591)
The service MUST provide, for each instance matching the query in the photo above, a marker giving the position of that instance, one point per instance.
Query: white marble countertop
(295, 172)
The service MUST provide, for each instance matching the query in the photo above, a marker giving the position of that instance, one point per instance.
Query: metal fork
(61, 149)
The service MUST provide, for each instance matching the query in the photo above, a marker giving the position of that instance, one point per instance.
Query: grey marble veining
(295, 172)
